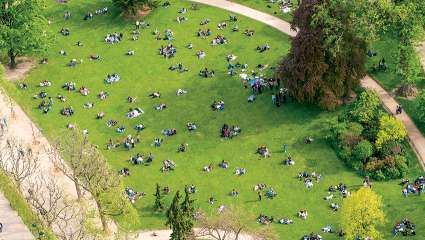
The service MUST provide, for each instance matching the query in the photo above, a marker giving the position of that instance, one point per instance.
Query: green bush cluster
(369, 140)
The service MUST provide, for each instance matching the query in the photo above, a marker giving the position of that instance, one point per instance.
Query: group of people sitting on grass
(264, 151)
(112, 78)
(229, 132)
(405, 227)
(309, 178)
(140, 158)
(217, 105)
(168, 51)
(417, 187)
(206, 73)
(218, 40)
(113, 38)
(178, 67)
(204, 33)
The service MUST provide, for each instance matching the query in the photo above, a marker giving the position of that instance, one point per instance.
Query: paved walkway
(416, 139)
(13, 227)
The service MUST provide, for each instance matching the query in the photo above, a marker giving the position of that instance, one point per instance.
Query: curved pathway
(416, 139)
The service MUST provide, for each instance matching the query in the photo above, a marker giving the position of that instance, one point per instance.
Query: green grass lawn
(261, 122)
(267, 7)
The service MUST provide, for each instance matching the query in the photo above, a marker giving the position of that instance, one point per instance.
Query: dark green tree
(158, 206)
(188, 212)
(175, 218)
(23, 29)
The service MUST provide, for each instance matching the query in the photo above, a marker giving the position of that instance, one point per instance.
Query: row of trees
(328, 57)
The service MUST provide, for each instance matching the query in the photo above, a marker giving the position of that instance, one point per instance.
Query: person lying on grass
(264, 151)
(224, 164)
(168, 165)
(169, 132)
(217, 105)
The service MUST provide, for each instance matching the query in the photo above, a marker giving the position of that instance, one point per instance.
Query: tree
(390, 130)
(188, 212)
(18, 161)
(361, 213)
(23, 29)
(407, 22)
(104, 185)
(363, 150)
(133, 6)
(68, 154)
(327, 57)
(175, 218)
(158, 206)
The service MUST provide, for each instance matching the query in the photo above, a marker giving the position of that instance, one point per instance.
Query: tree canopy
(132, 6)
(361, 213)
(23, 28)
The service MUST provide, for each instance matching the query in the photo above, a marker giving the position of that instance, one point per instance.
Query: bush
(365, 109)
(390, 130)
(363, 150)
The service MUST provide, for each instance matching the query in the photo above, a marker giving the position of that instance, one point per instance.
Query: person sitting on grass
(103, 95)
(45, 83)
(182, 147)
(169, 132)
(192, 189)
(334, 207)
(67, 111)
(112, 78)
(95, 57)
(266, 220)
(168, 165)
(263, 151)
(139, 127)
(191, 126)
(161, 107)
(271, 193)
(208, 168)
(211, 200)
(201, 54)
(219, 40)
(405, 227)
(157, 142)
(249, 32)
(260, 187)
(88, 105)
(263, 48)
(206, 73)
(155, 95)
(130, 53)
(180, 92)
(217, 105)
(137, 159)
(289, 161)
(224, 164)
(234, 193)
(178, 67)
(303, 214)
(240, 171)
(285, 221)
(134, 112)
(124, 172)
(100, 115)
(61, 98)
(120, 129)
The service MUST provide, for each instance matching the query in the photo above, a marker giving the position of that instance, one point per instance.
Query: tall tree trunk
(102, 216)
(12, 57)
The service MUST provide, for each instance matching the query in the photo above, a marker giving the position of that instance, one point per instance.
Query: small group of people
(112, 78)
(219, 40)
(405, 227)
(178, 67)
(416, 188)
(229, 132)
(206, 73)
(264, 151)
(168, 165)
(217, 105)
(168, 51)
(113, 38)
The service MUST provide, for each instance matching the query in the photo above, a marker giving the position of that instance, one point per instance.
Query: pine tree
(188, 211)
(158, 206)
(175, 218)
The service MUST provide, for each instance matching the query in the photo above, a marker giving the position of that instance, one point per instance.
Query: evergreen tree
(188, 211)
(175, 218)
(158, 206)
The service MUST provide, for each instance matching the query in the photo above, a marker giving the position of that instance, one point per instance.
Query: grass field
(261, 122)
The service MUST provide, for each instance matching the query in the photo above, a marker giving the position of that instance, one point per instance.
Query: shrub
(390, 130)
(363, 150)
(365, 109)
